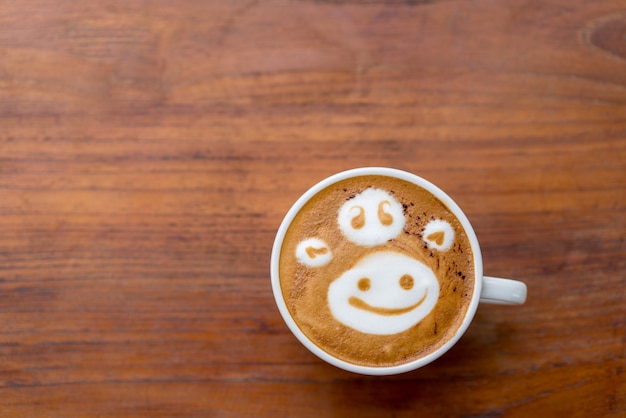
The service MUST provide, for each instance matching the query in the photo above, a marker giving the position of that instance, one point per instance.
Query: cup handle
(503, 291)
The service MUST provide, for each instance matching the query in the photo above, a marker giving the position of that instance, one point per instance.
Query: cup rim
(318, 351)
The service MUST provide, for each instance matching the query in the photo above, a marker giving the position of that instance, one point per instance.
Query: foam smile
(361, 304)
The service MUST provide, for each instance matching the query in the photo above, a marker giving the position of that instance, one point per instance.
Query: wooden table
(149, 150)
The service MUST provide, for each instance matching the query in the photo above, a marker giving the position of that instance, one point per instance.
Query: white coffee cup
(486, 289)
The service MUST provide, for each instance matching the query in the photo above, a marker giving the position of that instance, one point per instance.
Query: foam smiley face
(384, 293)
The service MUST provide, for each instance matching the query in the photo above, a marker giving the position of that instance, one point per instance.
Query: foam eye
(384, 217)
(313, 252)
(364, 284)
(407, 282)
(439, 235)
(359, 220)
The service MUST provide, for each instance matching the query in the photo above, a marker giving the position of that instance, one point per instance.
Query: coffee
(376, 271)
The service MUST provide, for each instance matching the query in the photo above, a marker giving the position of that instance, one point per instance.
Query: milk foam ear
(313, 252)
(384, 293)
(371, 218)
(439, 234)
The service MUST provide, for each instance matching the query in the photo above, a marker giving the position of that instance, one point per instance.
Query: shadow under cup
(376, 271)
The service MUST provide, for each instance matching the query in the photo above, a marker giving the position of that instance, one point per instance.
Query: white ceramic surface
(486, 289)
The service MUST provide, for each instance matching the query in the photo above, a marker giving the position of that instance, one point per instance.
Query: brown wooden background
(148, 151)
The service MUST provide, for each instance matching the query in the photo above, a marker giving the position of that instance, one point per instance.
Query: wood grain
(149, 149)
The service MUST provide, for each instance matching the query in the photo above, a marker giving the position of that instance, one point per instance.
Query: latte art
(313, 252)
(400, 292)
(371, 218)
(376, 271)
(439, 235)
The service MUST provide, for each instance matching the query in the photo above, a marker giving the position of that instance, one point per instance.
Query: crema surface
(376, 271)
